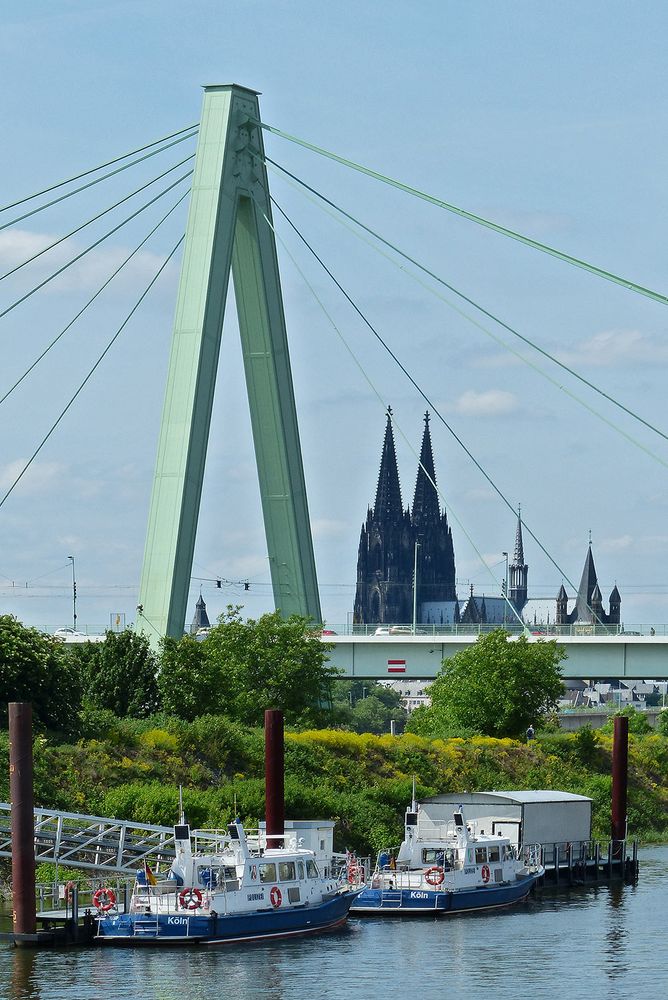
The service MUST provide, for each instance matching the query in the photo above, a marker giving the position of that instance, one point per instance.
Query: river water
(587, 944)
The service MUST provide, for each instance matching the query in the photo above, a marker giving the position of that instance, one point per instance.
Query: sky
(547, 118)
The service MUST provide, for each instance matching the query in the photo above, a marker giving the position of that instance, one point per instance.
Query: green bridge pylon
(226, 229)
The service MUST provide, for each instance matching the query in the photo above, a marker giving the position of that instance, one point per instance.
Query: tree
(190, 682)
(37, 668)
(271, 663)
(119, 674)
(497, 687)
(367, 707)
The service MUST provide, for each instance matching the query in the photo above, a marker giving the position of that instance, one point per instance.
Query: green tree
(38, 669)
(119, 674)
(497, 687)
(271, 662)
(367, 707)
(190, 681)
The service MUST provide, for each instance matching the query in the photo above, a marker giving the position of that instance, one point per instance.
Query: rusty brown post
(274, 777)
(23, 822)
(620, 774)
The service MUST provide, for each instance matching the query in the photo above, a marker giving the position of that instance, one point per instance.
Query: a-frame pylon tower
(227, 229)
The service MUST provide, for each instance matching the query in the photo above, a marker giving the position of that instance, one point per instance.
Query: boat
(227, 887)
(446, 868)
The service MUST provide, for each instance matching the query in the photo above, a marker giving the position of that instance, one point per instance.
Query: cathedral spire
(518, 556)
(426, 509)
(388, 494)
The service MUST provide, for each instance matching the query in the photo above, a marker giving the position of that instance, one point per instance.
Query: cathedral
(394, 542)
(397, 543)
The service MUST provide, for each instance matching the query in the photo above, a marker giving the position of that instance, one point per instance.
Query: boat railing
(429, 830)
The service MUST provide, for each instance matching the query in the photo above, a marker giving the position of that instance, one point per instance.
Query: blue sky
(546, 117)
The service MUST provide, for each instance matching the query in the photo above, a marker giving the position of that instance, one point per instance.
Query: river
(587, 944)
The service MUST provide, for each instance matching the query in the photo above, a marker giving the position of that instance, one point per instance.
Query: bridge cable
(471, 217)
(88, 249)
(95, 218)
(94, 170)
(92, 299)
(377, 393)
(483, 310)
(93, 369)
(429, 402)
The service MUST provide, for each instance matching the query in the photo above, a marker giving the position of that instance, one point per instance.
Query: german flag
(150, 877)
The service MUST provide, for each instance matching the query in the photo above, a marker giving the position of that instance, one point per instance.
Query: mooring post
(274, 777)
(24, 915)
(620, 770)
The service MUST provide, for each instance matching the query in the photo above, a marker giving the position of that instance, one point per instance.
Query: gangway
(97, 843)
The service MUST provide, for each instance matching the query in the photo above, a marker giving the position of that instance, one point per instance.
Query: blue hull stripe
(436, 901)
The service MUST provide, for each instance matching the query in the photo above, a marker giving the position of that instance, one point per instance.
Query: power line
(93, 369)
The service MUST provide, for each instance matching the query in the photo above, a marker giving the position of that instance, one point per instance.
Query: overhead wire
(422, 393)
(95, 218)
(338, 212)
(92, 370)
(84, 187)
(92, 298)
(470, 216)
(93, 246)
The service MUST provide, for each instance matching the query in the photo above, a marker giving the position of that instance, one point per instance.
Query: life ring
(190, 899)
(69, 890)
(434, 876)
(104, 899)
(354, 874)
(485, 872)
(276, 897)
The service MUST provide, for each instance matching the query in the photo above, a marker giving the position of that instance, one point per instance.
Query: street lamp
(415, 569)
(505, 588)
(74, 595)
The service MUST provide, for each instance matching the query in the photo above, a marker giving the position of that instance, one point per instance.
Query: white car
(70, 635)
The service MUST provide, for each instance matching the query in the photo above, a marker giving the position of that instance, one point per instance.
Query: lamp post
(74, 595)
(505, 588)
(415, 569)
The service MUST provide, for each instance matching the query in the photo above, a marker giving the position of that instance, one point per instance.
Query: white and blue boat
(448, 868)
(227, 887)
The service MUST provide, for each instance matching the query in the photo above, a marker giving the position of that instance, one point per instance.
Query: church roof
(388, 493)
(201, 619)
(587, 583)
(518, 555)
(426, 508)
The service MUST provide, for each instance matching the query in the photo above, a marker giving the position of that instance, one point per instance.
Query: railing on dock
(588, 861)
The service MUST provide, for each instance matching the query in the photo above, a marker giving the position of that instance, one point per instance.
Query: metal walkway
(92, 842)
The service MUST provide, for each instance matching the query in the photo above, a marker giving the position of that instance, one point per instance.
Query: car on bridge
(71, 635)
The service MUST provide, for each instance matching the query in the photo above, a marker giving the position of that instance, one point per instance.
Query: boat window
(311, 869)
(507, 852)
(268, 872)
(480, 855)
(430, 856)
(493, 853)
(300, 869)
(293, 894)
(286, 871)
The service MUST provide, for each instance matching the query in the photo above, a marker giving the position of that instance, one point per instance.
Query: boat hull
(436, 901)
(204, 929)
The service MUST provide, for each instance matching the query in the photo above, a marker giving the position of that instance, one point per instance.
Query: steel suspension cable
(470, 216)
(100, 215)
(476, 305)
(92, 299)
(92, 246)
(93, 369)
(101, 166)
(98, 180)
(424, 395)
(365, 375)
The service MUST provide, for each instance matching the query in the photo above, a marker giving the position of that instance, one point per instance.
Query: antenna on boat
(413, 802)
(182, 817)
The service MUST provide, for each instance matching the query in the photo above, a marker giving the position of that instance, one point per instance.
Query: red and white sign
(396, 666)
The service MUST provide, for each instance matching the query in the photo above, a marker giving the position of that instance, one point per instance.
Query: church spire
(388, 494)
(518, 556)
(519, 571)
(426, 509)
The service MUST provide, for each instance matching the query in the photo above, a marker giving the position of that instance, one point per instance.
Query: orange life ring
(104, 899)
(190, 899)
(69, 890)
(434, 876)
(354, 874)
(275, 896)
(485, 873)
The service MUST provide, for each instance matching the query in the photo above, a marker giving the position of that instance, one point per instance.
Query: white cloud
(614, 347)
(38, 479)
(492, 403)
(619, 544)
(329, 528)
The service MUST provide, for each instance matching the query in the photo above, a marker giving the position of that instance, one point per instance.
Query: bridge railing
(549, 631)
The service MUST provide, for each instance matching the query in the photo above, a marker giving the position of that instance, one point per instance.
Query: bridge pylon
(226, 230)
